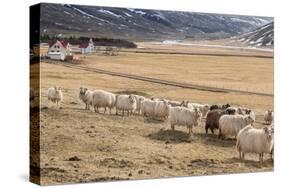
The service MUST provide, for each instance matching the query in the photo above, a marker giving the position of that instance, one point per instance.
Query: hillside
(141, 25)
(260, 37)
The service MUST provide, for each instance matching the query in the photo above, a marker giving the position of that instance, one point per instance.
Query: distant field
(113, 147)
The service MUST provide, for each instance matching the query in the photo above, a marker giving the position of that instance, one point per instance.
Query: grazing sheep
(155, 109)
(103, 99)
(219, 106)
(184, 117)
(252, 140)
(55, 94)
(126, 103)
(147, 107)
(204, 108)
(139, 100)
(86, 96)
(161, 109)
(232, 124)
(268, 116)
(212, 120)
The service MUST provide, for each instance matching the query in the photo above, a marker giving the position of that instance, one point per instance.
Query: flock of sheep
(229, 120)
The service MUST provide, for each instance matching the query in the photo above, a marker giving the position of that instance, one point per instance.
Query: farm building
(87, 47)
(59, 50)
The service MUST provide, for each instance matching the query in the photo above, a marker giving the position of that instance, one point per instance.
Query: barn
(87, 47)
(59, 50)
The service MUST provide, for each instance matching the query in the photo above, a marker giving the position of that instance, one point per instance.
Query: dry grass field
(84, 146)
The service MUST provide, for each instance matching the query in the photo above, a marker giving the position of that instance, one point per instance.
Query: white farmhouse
(59, 50)
(87, 47)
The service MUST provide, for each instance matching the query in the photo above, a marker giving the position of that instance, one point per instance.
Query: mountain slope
(139, 24)
(260, 37)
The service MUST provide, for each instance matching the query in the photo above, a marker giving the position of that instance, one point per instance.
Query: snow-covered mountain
(140, 24)
(260, 37)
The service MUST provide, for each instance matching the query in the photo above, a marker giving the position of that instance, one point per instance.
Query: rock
(75, 158)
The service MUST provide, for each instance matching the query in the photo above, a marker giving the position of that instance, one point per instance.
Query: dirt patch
(116, 163)
(170, 136)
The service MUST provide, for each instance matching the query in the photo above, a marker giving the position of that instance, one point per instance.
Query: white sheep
(252, 140)
(232, 124)
(147, 107)
(268, 116)
(155, 108)
(86, 96)
(184, 117)
(139, 100)
(103, 99)
(161, 109)
(55, 94)
(204, 108)
(126, 103)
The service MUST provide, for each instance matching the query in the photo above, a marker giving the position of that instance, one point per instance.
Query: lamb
(103, 99)
(55, 94)
(139, 99)
(252, 140)
(86, 96)
(126, 103)
(204, 108)
(184, 117)
(268, 116)
(212, 120)
(232, 124)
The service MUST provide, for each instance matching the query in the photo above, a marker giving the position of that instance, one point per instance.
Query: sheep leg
(240, 155)
(110, 111)
(219, 135)
(104, 110)
(173, 127)
(206, 129)
(243, 155)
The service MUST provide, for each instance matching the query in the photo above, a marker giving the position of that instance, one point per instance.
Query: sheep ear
(265, 129)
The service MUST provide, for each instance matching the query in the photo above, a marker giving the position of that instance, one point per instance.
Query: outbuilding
(87, 47)
(59, 50)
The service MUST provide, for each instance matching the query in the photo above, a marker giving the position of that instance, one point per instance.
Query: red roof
(63, 43)
(84, 45)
